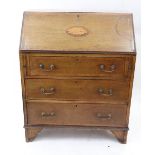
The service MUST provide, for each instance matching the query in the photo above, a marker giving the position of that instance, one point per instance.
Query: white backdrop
(57, 141)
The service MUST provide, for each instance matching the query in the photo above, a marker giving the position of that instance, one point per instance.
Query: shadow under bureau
(77, 70)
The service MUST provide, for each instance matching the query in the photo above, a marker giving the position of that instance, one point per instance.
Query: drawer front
(101, 90)
(76, 66)
(76, 114)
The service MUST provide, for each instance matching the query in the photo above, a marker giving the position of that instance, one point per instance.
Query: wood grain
(107, 32)
(31, 133)
(120, 135)
(78, 90)
(77, 114)
(76, 66)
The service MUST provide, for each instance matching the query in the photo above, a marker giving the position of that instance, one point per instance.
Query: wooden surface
(78, 90)
(77, 66)
(49, 32)
(67, 76)
(77, 114)
(31, 133)
(120, 135)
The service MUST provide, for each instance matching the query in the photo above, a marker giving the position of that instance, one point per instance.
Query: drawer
(76, 114)
(76, 66)
(69, 89)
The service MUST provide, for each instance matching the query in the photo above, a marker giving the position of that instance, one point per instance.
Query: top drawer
(76, 66)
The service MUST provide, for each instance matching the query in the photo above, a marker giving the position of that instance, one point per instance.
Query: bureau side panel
(23, 74)
(132, 69)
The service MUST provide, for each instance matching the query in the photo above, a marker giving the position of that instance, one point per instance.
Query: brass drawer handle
(47, 92)
(51, 67)
(45, 114)
(104, 92)
(112, 68)
(103, 116)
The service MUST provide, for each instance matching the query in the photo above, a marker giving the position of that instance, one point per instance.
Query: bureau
(77, 70)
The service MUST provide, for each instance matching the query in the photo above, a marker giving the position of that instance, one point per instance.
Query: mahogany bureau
(77, 70)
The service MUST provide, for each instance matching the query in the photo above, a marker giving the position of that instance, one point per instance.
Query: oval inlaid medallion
(77, 31)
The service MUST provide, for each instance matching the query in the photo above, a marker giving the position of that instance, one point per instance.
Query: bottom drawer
(44, 113)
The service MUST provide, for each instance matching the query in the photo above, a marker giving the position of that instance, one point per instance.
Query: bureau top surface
(74, 32)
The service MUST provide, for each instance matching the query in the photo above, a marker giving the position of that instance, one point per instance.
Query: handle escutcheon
(112, 68)
(103, 116)
(50, 91)
(104, 92)
(50, 68)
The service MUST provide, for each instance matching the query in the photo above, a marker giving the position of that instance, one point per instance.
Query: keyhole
(78, 16)
(77, 59)
(75, 105)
